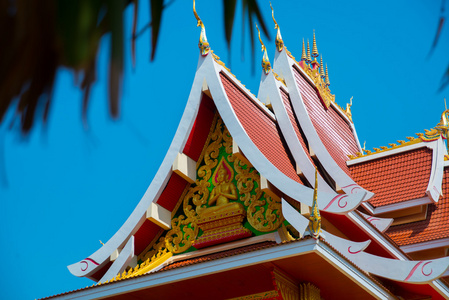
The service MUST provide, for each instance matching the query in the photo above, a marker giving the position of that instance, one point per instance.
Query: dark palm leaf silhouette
(38, 37)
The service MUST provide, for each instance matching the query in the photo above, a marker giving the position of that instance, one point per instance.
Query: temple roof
(410, 171)
(434, 227)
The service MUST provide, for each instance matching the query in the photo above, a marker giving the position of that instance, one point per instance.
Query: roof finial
(322, 67)
(309, 59)
(279, 42)
(203, 44)
(266, 66)
(315, 217)
(327, 77)
(314, 48)
(304, 55)
(348, 109)
(445, 106)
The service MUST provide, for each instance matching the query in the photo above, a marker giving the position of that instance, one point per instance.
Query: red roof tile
(435, 227)
(262, 130)
(335, 133)
(288, 107)
(395, 178)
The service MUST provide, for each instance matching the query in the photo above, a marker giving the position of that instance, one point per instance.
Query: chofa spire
(314, 47)
(322, 67)
(203, 44)
(304, 54)
(279, 42)
(266, 66)
(309, 59)
(315, 217)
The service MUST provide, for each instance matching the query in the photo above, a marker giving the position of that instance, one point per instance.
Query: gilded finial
(322, 67)
(304, 55)
(279, 42)
(327, 77)
(315, 217)
(203, 44)
(314, 47)
(266, 66)
(348, 109)
(364, 146)
(309, 59)
(101, 242)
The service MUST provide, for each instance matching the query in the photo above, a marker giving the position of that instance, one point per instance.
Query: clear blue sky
(64, 188)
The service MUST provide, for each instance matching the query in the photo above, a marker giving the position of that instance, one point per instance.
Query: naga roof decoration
(203, 44)
(266, 66)
(279, 42)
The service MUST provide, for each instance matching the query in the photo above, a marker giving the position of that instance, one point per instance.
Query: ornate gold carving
(308, 291)
(259, 296)
(402, 143)
(285, 285)
(322, 88)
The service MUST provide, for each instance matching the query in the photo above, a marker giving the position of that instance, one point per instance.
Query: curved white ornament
(334, 203)
(382, 224)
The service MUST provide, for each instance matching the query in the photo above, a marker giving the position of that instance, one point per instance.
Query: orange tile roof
(335, 133)
(435, 227)
(262, 130)
(395, 178)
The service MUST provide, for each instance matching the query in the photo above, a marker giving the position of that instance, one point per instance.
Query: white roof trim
(434, 188)
(367, 227)
(329, 202)
(388, 153)
(91, 264)
(426, 245)
(268, 88)
(234, 262)
(397, 206)
(285, 65)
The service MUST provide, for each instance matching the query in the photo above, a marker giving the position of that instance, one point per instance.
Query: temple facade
(273, 197)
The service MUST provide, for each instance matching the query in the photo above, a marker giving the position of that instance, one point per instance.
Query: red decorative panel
(144, 236)
(172, 192)
(288, 107)
(262, 130)
(335, 133)
(395, 178)
(200, 129)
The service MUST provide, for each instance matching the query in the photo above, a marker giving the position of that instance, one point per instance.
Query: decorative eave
(285, 64)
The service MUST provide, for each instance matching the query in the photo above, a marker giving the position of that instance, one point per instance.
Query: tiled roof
(436, 225)
(335, 133)
(219, 255)
(395, 178)
(262, 130)
(288, 107)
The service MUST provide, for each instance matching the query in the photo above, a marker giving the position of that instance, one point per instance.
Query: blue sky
(65, 188)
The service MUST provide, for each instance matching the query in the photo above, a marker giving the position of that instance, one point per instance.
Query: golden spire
(315, 217)
(322, 67)
(327, 77)
(266, 66)
(279, 42)
(203, 43)
(314, 48)
(304, 55)
(309, 59)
